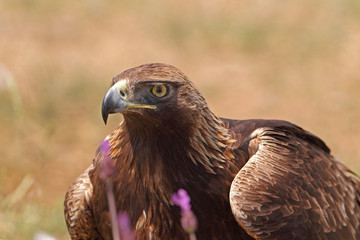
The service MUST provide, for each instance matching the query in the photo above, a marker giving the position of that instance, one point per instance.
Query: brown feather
(284, 182)
(292, 188)
(78, 213)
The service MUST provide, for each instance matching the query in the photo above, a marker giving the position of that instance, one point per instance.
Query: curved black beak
(113, 102)
(116, 101)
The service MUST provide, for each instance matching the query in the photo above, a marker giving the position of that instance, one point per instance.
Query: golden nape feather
(247, 179)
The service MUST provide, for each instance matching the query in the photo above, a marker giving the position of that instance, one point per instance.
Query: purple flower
(126, 232)
(188, 218)
(181, 199)
(107, 167)
(105, 147)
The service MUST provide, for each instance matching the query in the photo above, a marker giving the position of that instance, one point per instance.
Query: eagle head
(153, 94)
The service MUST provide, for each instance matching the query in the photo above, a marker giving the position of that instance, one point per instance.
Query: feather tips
(314, 193)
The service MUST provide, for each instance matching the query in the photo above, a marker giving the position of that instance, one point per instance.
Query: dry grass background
(293, 60)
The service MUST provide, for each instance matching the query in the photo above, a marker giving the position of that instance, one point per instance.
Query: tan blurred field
(293, 60)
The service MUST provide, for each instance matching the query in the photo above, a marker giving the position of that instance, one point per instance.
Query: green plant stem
(112, 210)
(192, 236)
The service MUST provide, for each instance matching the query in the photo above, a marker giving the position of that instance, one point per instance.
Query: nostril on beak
(122, 94)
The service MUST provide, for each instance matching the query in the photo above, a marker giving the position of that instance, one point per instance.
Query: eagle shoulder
(78, 211)
(292, 188)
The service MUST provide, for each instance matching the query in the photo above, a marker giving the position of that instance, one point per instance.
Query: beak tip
(105, 117)
(104, 110)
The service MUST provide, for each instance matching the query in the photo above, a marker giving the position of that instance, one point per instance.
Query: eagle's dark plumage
(249, 179)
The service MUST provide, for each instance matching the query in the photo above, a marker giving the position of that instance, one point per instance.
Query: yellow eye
(159, 90)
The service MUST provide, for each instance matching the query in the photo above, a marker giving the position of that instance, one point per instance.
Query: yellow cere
(134, 105)
(159, 90)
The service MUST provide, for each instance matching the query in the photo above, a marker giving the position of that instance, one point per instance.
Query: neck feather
(205, 144)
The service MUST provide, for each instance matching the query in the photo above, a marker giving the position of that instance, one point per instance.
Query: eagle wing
(78, 212)
(292, 188)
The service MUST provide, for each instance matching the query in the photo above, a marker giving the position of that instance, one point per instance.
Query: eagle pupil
(159, 90)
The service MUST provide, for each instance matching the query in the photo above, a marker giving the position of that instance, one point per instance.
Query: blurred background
(293, 60)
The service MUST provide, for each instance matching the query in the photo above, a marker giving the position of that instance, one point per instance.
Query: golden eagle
(247, 179)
